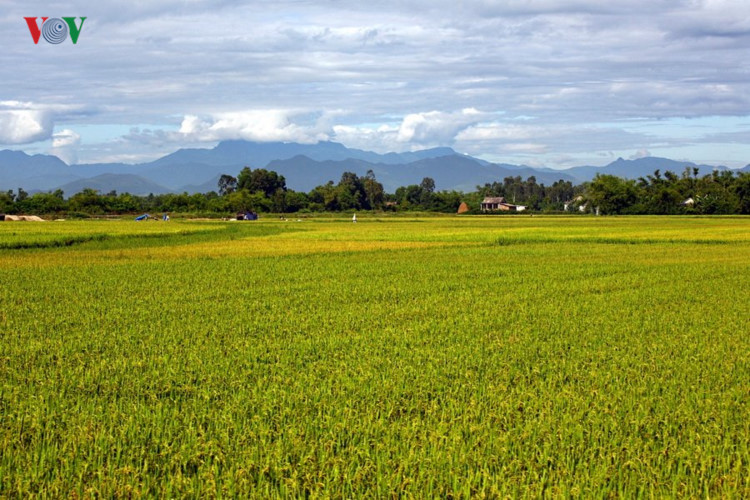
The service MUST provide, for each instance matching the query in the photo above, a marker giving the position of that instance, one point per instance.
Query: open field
(469, 356)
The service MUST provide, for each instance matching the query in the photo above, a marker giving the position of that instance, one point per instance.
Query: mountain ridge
(304, 167)
(121, 183)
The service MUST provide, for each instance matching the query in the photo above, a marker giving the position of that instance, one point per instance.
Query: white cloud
(381, 138)
(641, 153)
(498, 131)
(403, 70)
(65, 144)
(415, 131)
(252, 125)
(436, 127)
(65, 138)
(192, 125)
(25, 122)
(23, 126)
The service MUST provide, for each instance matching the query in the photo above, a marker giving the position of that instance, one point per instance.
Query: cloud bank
(546, 81)
(20, 123)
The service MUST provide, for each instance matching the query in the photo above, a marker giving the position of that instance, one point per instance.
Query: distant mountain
(303, 165)
(253, 154)
(122, 183)
(37, 172)
(206, 187)
(454, 171)
(302, 171)
(464, 173)
(400, 158)
(259, 154)
(633, 169)
(175, 176)
(196, 167)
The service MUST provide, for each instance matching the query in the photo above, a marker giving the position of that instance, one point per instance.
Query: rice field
(396, 357)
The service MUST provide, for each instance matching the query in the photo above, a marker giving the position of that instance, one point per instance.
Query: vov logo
(54, 29)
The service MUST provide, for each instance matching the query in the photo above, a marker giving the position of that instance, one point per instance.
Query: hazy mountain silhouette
(122, 183)
(454, 171)
(641, 167)
(303, 165)
(37, 172)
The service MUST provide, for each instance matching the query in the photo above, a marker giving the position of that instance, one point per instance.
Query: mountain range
(303, 165)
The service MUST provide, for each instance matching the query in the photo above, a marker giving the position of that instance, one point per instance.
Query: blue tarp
(247, 216)
(143, 217)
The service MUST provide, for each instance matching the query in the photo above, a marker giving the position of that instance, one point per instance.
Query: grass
(469, 356)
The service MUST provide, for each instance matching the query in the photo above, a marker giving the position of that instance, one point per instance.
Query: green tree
(324, 197)
(428, 184)
(351, 192)
(243, 200)
(742, 190)
(611, 194)
(409, 197)
(278, 201)
(447, 201)
(227, 184)
(88, 201)
(43, 203)
(493, 189)
(427, 193)
(295, 201)
(374, 192)
(125, 203)
(260, 180)
(513, 188)
(560, 192)
(6, 201)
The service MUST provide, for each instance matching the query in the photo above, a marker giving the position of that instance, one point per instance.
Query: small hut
(492, 204)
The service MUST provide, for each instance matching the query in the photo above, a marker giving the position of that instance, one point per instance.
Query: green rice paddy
(424, 357)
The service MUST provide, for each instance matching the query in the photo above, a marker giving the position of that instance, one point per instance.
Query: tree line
(721, 192)
(265, 191)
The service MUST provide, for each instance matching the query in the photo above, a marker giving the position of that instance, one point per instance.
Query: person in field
(354, 218)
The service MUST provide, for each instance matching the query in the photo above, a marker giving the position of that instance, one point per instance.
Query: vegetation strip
(264, 191)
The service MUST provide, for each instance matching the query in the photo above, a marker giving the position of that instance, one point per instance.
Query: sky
(555, 83)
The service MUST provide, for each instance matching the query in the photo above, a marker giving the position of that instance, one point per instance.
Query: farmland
(424, 357)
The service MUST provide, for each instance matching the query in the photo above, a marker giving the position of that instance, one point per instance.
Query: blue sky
(551, 83)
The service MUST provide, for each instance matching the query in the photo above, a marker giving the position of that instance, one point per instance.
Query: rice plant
(462, 357)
